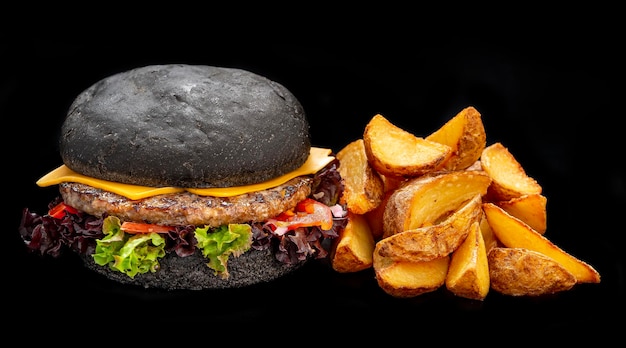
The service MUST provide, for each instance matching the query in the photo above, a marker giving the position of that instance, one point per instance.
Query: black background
(555, 99)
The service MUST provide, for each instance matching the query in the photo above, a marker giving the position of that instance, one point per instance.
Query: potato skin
(509, 179)
(410, 279)
(353, 250)
(375, 218)
(465, 134)
(514, 233)
(529, 208)
(468, 274)
(433, 241)
(363, 186)
(524, 272)
(397, 208)
(427, 199)
(393, 151)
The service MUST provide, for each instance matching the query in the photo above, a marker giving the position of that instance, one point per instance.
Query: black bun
(192, 273)
(185, 126)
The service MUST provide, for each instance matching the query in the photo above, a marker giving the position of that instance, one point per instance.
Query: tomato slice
(59, 210)
(140, 227)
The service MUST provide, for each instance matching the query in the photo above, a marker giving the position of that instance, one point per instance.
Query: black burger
(189, 177)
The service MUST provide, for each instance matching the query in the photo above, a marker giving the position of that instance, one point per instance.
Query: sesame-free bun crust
(192, 273)
(185, 126)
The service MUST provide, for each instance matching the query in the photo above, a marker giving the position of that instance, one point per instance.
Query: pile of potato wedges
(447, 210)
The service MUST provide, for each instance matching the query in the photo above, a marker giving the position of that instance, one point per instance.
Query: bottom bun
(192, 272)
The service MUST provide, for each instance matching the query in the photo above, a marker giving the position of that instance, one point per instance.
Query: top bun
(185, 126)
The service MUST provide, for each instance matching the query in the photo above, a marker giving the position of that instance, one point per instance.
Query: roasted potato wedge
(514, 233)
(375, 218)
(428, 199)
(488, 236)
(363, 186)
(393, 151)
(391, 183)
(529, 208)
(465, 134)
(475, 166)
(509, 179)
(468, 273)
(524, 272)
(410, 279)
(447, 209)
(353, 250)
(433, 241)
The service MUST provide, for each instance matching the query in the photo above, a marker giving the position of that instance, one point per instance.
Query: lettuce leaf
(128, 253)
(219, 243)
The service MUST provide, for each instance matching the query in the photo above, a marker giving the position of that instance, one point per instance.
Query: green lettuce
(128, 253)
(219, 243)
(133, 254)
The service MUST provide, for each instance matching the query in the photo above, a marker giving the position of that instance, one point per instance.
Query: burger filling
(295, 219)
(186, 208)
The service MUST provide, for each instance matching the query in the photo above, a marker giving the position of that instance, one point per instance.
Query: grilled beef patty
(187, 208)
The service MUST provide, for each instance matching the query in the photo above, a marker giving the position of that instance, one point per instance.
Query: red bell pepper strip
(59, 210)
(140, 227)
(307, 212)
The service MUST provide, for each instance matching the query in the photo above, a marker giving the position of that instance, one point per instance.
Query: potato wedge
(395, 152)
(433, 241)
(509, 179)
(353, 250)
(375, 218)
(514, 233)
(363, 186)
(428, 199)
(391, 183)
(529, 208)
(410, 279)
(524, 272)
(488, 236)
(465, 134)
(475, 166)
(468, 273)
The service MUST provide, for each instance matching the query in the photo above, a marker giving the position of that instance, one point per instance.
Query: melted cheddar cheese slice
(318, 159)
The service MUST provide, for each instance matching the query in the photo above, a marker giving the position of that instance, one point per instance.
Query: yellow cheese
(318, 159)
(65, 174)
